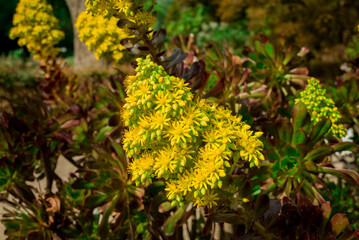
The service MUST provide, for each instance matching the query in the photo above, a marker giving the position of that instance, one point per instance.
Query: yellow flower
(144, 89)
(182, 154)
(225, 134)
(141, 168)
(210, 151)
(165, 164)
(175, 190)
(178, 133)
(131, 137)
(319, 105)
(145, 18)
(211, 137)
(124, 6)
(144, 122)
(37, 28)
(191, 144)
(210, 199)
(159, 120)
(201, 179)
(185, 183)
(163, 102)
(181, 84)
(133, 11)
(101, 35)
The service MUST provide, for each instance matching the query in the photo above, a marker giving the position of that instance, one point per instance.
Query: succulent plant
(297, 155)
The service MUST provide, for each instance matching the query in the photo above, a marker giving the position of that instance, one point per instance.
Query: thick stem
(152, 49)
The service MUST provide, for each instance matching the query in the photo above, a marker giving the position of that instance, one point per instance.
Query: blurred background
(328, 28)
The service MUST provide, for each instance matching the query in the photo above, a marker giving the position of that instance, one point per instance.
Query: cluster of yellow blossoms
(98, 26)
(188, 143)
(132, 11)
(37, 28)
(320, 106)
(101, 35)
(109, 8)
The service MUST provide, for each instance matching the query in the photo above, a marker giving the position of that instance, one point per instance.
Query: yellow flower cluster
(100, 29)
(132, 11)
(319, 106)
(37, 28)
(109, 8)
(101, 35)
(190, 144)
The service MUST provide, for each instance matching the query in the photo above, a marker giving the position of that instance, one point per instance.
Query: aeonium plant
(296, 150)
(112, 26)
(37, 28)
(187, 143)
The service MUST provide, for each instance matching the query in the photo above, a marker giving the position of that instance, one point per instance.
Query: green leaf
(270, 50)
(311, 191)
(288, 187)
(311, 166)
(259, 48)
(326, 210)
(169, 225)
(256, 190)
(102, 134)
(350, 176)
(122, 162)
(82, 184)
(236, 156)
(299, 137)
(103, 228)
(289, 151)
(272, 156)
(318, 153)
(302, 149)
(299, 116)
(344, 91)
(319, 130)
(349, 235)
(185, 217)
(165, 207)
(285, 132)
(120, 90)
(288, 57)
(96, 199)
(339, 223)
(345, 146)
(352, 94)
(275, 170)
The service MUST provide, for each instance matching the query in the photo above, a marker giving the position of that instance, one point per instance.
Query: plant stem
(129, 216)
(152, 49)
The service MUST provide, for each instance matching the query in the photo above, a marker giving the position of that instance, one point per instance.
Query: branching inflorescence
(126, 10)
(105, 24)
(101, 35)
(189, 144)
(37, 28)
(319, 106)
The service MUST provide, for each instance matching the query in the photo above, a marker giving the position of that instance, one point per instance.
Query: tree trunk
(84, 59)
